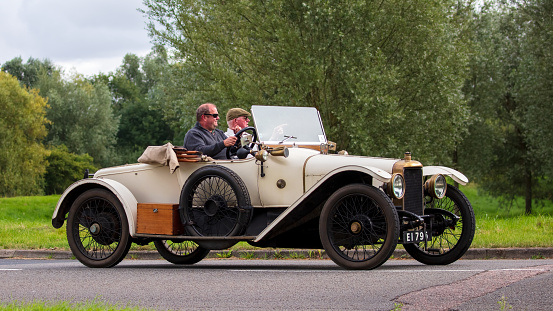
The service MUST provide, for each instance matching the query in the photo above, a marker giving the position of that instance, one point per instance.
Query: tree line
(82, 122)
(458, 83)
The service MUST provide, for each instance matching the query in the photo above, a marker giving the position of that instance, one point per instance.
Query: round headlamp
(397, 186)
(262, 155)
(436, 186)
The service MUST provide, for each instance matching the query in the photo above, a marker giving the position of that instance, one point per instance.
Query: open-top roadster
(279, 188)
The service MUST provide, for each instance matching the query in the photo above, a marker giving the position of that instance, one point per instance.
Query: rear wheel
(180, 252)
(98, 230)
(215, 202)
(450, 239)
(359, 227)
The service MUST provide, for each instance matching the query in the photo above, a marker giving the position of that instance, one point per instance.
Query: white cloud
(90, 36)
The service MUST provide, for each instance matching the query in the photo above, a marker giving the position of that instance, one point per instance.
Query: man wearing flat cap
(237, 119)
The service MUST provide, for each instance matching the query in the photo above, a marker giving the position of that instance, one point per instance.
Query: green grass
(521, 231)
(502, 226)
(65, 306)
(486, 206)
(508, 226)
(25, 223)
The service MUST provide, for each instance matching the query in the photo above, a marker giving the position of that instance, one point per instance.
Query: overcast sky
(89, 36)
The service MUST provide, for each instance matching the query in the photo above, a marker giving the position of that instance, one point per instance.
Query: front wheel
(180, 252)
(450, 239)
(98, 230)
(359, 227)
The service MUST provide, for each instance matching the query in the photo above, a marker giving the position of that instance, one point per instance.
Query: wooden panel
(158, 219)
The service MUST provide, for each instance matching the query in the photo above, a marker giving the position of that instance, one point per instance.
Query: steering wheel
(233, 150)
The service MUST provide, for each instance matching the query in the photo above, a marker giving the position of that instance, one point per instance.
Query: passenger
(237, 119)
(205, 136)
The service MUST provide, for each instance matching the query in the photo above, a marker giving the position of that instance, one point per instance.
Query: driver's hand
(236, 129)
(230, 141)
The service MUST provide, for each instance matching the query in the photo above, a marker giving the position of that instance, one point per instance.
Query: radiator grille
(414, 193)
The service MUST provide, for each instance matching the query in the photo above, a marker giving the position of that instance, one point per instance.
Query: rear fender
(454, 174)
(127, 199)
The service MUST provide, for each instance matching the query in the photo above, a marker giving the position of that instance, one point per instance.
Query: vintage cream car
(281, 188)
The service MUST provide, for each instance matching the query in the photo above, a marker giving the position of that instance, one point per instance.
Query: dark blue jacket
(211, 144)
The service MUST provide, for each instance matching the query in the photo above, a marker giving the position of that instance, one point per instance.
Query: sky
(86, 36)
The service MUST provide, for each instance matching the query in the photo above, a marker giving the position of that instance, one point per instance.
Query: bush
(64, 168)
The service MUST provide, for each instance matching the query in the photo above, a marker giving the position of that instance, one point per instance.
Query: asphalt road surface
(217, 284)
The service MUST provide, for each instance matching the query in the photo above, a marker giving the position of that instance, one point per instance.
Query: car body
(281, 187)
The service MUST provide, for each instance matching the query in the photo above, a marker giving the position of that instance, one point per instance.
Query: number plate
(415, 236)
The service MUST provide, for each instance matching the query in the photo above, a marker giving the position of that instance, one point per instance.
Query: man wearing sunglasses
(205, 136)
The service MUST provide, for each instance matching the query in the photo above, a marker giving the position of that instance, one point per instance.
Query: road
(284, 284)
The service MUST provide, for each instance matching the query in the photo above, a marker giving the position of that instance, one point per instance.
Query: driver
(237, 119)
(205, 137)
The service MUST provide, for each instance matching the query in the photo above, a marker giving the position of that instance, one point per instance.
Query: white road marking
(379, 271)
(285, 271)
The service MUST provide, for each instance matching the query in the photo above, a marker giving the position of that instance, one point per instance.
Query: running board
(196, 238)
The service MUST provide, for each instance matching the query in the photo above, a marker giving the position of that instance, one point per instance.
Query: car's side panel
(124, 195)
(148, 183)
(264, 190)
(279, 170)
(456, 175)
(319, 166)
(246, 169)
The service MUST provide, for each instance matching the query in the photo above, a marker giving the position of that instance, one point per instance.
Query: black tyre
(98, 230)
(449, 242)
(180, 252)
(215, 202)
(359, 227)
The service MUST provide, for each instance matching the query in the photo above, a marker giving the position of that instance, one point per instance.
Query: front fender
(318, 192)
(125, 196)
(316, 176)
(454, 174)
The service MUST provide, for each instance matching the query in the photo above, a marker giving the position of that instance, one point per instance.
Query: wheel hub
(95, 229)
(213, 205)
(360, 223)
(105, 229)
(355, 227)
(438, 225)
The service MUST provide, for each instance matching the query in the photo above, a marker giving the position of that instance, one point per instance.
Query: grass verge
(64, 305)
(25, 223)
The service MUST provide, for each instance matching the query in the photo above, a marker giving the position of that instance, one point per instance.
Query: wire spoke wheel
(97, 229)
(450, 239)
(215, 202)
(359, 227)
(214, 208)
(180, 252)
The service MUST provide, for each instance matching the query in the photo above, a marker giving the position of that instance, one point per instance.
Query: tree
(536, 80)
(82, 117)
(22, 128)
(511, 80)
(141, 120)
(29, 73)
(80, 112)
(385, 75)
